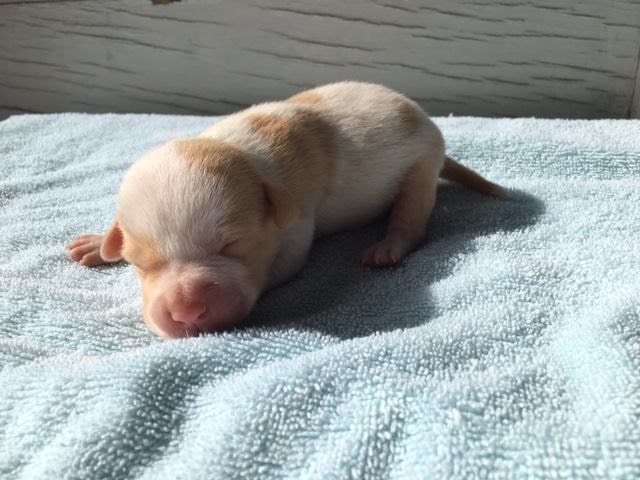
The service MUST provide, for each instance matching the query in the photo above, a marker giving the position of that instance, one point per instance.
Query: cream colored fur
(236, 211)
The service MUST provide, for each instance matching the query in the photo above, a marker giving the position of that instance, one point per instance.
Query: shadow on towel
(333, 294)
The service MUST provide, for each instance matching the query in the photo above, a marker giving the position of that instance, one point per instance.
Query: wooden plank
(8, 112)
(21, 2)
(478, 57)
(635, 100)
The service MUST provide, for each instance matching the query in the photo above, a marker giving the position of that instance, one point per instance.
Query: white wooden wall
(551, 58)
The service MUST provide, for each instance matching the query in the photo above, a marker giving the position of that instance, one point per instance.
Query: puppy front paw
(385, 253)
(85, 250)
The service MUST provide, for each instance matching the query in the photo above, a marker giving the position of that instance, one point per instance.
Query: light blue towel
(508, 346)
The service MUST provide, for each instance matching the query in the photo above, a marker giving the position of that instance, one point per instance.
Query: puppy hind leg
(409, 215)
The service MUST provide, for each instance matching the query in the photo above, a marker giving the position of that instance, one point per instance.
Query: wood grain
(476, 57)
(635, 97)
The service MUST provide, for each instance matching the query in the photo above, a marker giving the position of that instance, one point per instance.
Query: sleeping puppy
(209, 223)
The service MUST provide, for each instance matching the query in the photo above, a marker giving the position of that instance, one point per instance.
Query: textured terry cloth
(507, 346)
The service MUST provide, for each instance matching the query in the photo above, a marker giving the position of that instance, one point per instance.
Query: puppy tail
(455, 172)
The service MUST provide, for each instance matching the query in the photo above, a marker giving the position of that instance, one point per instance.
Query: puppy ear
(282, 204)
(111, 248)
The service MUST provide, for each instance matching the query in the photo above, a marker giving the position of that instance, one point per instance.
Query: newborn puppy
(210, 222)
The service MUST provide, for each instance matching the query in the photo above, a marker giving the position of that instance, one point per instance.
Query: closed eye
(143, 268)
(235, 248)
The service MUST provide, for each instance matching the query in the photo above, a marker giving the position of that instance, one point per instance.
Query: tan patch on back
(294, 140)
(409, 117)
(322, 132)
(307, 97)
(304, 146)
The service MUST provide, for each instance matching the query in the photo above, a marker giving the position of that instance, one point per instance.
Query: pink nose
(188, 314)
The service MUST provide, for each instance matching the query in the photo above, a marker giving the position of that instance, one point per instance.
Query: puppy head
(201, 228)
